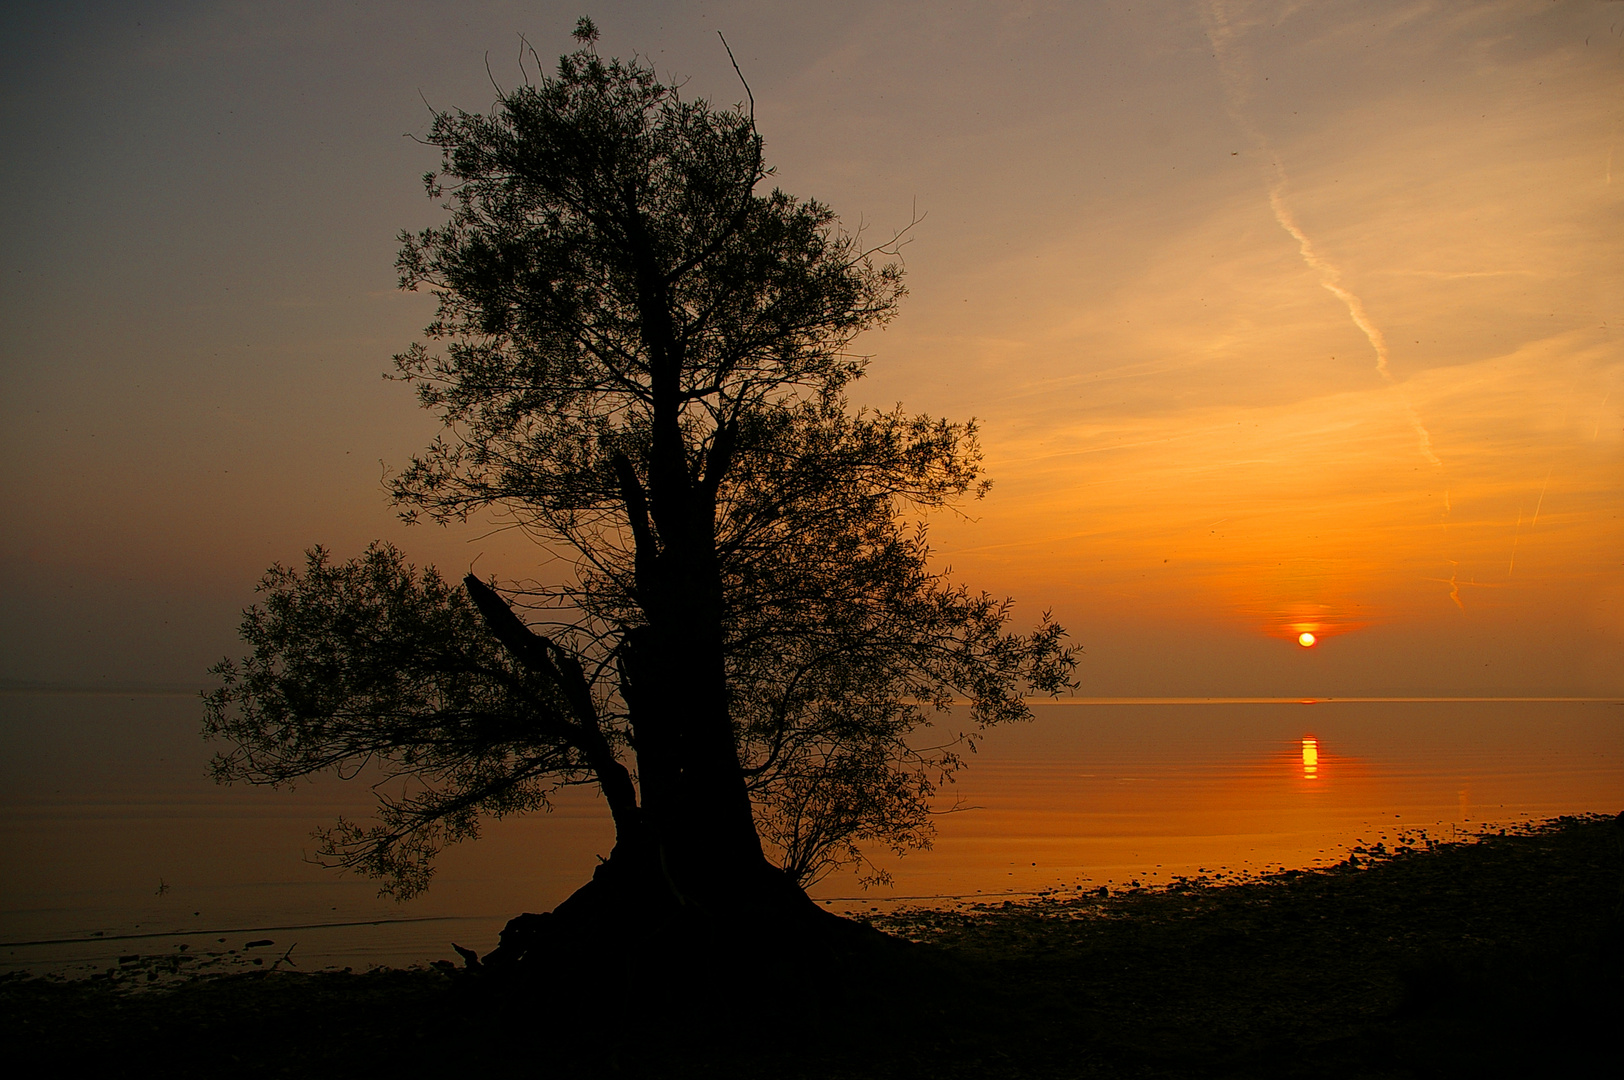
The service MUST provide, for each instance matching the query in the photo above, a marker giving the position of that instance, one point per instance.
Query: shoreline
(207, 952)
(1459, 958)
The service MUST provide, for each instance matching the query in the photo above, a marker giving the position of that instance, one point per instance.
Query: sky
(1274, 316)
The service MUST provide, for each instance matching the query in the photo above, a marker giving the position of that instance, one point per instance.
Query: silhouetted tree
(643, 360)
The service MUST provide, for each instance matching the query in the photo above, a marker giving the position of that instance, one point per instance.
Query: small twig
(287, 956)
(742, 79)
(501, 94)
(525, 46)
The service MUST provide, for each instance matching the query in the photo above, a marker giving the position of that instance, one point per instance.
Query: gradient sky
(1275, 315)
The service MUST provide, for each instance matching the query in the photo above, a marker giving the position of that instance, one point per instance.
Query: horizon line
(24, 686)
(1325, 700)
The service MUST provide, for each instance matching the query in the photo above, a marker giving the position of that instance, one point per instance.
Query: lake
(113, 841)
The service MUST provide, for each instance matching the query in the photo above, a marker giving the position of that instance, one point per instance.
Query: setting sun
(1306, 640)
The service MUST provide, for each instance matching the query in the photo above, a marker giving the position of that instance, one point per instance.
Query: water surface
(1117, 792)
(114, 841)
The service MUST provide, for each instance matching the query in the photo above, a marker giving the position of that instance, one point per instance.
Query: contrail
(1515, 534)
(1541, 502)
(1331, 282)
(1612, 144)
(1220, 33)
(1330, 276)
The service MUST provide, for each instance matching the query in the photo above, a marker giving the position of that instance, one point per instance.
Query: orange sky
(1275, 316)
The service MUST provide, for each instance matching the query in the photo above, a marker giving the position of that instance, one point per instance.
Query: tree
(642, 360)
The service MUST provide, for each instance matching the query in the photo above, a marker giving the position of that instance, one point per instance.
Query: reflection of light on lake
(1310, 757)
(1055, 793)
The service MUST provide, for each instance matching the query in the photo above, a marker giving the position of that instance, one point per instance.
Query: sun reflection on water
(1310, 758)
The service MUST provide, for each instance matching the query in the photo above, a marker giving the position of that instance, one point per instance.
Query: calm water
(113, 841)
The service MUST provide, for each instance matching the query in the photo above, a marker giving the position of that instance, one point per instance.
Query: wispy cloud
(1236, 75)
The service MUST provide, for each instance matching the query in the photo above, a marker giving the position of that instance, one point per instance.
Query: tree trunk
(689, 864)
(687, 859)
(696, 859)
(696, 803)
(698, 811)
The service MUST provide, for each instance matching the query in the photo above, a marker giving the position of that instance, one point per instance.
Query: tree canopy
(643, 359)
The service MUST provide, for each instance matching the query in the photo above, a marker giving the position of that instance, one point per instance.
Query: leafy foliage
(645, 362)
(373, 663)
(563, 204)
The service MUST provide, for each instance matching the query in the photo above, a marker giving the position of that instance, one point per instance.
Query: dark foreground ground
(1496, 957)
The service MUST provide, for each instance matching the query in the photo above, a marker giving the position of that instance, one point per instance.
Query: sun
(1306, 640)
